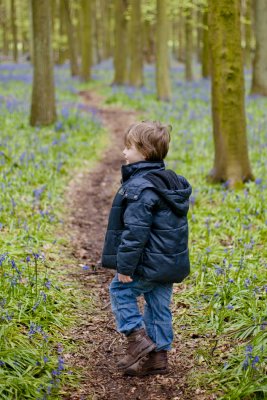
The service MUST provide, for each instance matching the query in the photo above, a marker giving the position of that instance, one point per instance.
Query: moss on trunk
(188, 44)
(86, 33)
(43, 110)
(205, 46)
(136, 51)
(231, 161)
(71, 39)
(162, 56)
(120, 45)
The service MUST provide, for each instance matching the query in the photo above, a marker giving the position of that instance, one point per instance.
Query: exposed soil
(99, 345)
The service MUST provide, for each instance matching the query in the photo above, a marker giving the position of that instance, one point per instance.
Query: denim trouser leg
(124, 305)
(157, 315)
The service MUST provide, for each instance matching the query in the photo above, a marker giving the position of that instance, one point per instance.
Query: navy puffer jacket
(147, 231)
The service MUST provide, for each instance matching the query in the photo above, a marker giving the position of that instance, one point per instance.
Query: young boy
(147, 243)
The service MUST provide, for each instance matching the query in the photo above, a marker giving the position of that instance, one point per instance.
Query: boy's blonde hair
(151, 138)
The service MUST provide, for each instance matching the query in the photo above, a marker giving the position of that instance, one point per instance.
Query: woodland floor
(99, 345)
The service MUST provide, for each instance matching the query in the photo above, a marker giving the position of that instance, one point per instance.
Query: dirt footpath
(99, 344)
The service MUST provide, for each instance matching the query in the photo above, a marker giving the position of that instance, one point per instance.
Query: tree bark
(248, 33)
(14, 31)
(181, 30)
(259, 77)
(62, 51)
(43, 110)
(120, 48)
(205, 46)
(231, 162)
(4, 25)
(188, 44)
(162, 56)
(86, 27)
(149, 41)
(136, 52)
(71, 39)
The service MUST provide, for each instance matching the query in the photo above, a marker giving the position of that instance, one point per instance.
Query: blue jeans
(157, 318)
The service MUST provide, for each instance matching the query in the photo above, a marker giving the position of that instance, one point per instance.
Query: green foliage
(35, 297)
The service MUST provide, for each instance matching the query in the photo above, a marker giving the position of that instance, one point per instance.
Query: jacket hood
(140, 168)
(173, 188)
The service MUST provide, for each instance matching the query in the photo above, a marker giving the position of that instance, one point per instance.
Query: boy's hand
(124, 278)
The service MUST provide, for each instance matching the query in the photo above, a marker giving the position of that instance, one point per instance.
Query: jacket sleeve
(137, 222)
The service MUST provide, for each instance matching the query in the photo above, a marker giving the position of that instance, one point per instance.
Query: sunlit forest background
(198, 65)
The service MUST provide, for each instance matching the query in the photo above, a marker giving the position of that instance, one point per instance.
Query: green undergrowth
(223, 303)
(36, 299)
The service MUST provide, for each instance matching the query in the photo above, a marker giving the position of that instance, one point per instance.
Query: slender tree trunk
(43, 110)
(199, 40)
(259, 77)
(205, 46)
(4, 26)
(231, 161)
(136, 52)
(120, 49)
(248, 34)
(14, 31)
(149, 41)
(96, 28)
(188, 44)
(109, 40)
(162, 56)
(71, 39)
(181, 39)
(62, 45)
(86, 26)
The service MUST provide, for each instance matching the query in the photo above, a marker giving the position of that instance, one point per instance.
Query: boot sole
(141, 355)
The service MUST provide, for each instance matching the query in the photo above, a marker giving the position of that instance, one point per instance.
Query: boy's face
(132, 155)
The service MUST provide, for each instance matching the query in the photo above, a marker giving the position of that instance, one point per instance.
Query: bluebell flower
(258, 181)
(48, 284)
(245, 364)
(85, 267)
(255, 360)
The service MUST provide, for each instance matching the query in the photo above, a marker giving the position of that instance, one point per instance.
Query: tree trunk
(4, 25)
(188, 44)
(248, 33)
(205, 46)
(86, 26)
(231, 161)
(199, 39)
(62, 51)
(120, 48)
(181, 40)
(14, 31)
(259, 77)
(162, 56)
(71, 39)
(43, 110)
(136, 51)
(149, 41)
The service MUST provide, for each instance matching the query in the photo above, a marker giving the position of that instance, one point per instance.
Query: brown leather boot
(154, 363)
(139, 344)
